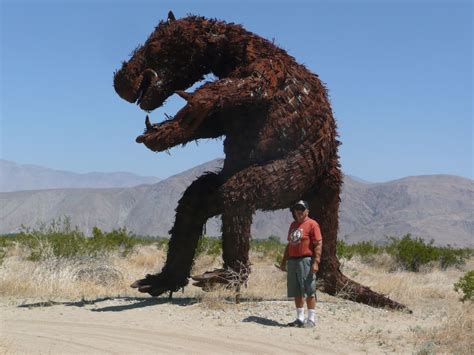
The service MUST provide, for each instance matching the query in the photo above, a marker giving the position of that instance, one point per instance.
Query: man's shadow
(263, 321)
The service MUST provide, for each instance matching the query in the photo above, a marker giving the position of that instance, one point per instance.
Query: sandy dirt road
(149, 326)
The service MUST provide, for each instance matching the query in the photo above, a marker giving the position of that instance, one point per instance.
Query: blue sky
(399, 75)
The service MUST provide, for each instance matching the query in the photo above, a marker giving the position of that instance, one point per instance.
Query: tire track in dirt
(106, 338)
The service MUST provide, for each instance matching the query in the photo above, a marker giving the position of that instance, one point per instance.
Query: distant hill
(429, 206)
(17, 177)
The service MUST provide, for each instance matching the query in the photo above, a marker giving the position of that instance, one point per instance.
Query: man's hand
(314, 267)
(282, 266)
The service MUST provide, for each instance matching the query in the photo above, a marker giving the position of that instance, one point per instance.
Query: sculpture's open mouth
(149, 79)
(147, 89)
(151, 92)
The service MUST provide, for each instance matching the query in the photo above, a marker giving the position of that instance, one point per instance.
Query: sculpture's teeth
(147, 122)
(140, 95)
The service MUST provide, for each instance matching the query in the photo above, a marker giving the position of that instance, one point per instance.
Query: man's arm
(284, 259)
(317, 248)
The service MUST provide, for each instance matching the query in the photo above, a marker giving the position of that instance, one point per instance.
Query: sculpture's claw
(155, 285)
(225, 277)
(185, 95)
(142, 282)
(144, 289)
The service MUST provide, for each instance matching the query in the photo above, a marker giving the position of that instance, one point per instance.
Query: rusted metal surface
(281, 143)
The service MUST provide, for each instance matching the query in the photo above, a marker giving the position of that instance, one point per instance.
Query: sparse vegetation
(56, 263)
(60, 239)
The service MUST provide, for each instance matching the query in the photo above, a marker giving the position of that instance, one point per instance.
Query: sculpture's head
(173, 58)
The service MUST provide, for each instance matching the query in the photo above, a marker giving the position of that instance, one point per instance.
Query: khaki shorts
(300, 280)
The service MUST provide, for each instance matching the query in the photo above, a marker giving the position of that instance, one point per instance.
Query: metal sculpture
(280, 144)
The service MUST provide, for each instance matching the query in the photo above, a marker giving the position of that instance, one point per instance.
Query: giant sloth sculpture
(280, 144)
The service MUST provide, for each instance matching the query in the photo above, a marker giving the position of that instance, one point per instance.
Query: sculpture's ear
(171, 17)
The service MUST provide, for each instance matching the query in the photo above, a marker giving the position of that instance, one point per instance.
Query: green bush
(409, 252)
(208, 246)
(270, 248)
(363, 249)
(466, 285)
(343, 250)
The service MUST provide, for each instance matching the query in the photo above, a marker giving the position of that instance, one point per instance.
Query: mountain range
(16, 177)
(438, 207)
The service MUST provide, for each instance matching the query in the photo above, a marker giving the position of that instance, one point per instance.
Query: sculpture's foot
(226, 277)
(156, 285)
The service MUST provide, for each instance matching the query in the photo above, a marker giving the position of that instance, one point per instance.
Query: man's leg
(299, 303)
(311, 303)
(294, 290)
(310, 290)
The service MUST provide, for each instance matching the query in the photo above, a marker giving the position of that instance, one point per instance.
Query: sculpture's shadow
(130, 303)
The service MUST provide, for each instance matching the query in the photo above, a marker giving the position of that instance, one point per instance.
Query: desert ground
(60, 306)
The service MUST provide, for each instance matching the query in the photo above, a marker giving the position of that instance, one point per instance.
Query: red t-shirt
(301, 237)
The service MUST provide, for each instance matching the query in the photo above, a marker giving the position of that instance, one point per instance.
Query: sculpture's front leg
(199, 202)
(221, 95)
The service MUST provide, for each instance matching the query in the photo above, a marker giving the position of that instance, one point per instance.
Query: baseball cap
(301, 203)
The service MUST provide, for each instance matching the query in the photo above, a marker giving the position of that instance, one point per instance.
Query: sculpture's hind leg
(198, 203)
(323, 203)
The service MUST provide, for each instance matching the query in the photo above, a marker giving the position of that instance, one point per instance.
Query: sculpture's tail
(337, 284)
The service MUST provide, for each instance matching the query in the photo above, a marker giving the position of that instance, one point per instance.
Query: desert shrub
(343, 250)
(465, 285)
(208, 246)
(449, 256)
(269, 248)
(413, 252)
(162, 243)
(363, 249)
(410, 253)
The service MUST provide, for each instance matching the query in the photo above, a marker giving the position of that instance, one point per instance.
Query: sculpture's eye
(152, 51)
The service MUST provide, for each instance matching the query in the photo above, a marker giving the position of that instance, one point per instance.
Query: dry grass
(411, 288)
(455, 335)
(75, 278)
(431, 295)
(111, 275)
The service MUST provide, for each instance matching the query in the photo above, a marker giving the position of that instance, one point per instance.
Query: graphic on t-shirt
(295, 236)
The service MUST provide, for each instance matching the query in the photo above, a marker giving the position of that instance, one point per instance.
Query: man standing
(303, 254)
